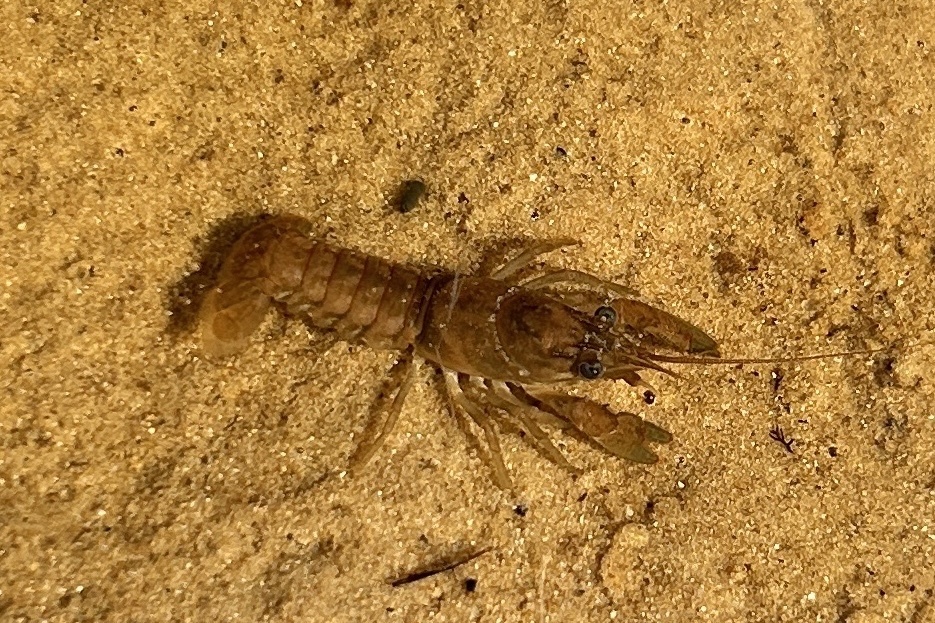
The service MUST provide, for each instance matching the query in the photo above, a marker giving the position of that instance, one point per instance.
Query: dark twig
(437, 568)
(776, 433)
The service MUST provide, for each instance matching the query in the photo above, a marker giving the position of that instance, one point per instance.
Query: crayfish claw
(624, 435)
(632, 450)
(627, 440)
(660, 328)
(656, 433)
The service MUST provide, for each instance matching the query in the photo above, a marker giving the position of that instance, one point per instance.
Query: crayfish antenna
(735, 360)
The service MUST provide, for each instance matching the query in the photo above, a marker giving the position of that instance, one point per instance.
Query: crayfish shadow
(185, 296)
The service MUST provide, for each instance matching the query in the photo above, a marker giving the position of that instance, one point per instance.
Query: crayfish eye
(590, 369)
(606, 315)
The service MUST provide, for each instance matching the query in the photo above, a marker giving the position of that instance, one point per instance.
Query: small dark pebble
(409, 195)
(470, 585)
(561, 151)
(832, 451)
(649, 397)
(520, 510)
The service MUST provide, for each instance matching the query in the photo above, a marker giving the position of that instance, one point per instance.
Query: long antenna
(716, 360)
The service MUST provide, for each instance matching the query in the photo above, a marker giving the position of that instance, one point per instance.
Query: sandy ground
(763, 169)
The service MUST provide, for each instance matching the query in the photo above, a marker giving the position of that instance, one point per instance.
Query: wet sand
(764, 172)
